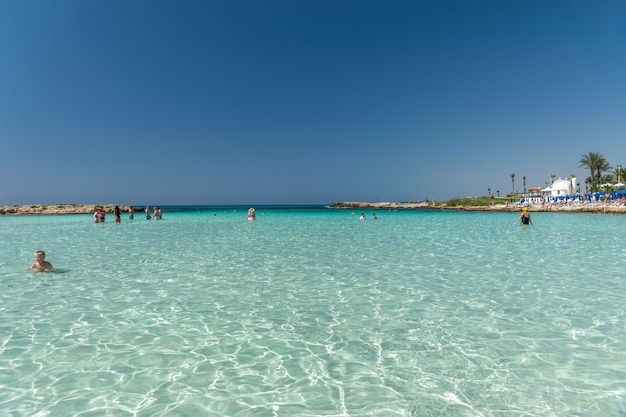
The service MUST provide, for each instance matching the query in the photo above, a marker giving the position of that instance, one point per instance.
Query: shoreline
(602, 209)
(57, 209)
(60, 209)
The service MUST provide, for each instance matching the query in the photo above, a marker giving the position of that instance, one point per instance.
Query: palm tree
(488, 192)
(571, 184)
(552, 177)
(596, 163)
(603, 167)
(619, 173)
(513, 182)
(605, 180)
(524, 178)
(498, 192)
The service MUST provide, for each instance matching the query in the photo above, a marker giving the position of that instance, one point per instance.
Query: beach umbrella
(619, 184)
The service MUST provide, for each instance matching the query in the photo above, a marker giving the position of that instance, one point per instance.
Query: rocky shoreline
(492, 208)
(57, 209)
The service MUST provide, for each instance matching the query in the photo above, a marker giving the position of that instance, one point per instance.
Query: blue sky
(303, 102)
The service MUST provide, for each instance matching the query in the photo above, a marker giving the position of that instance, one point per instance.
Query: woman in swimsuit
(524, 217)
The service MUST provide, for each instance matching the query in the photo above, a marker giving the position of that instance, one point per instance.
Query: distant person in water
(96, 216)
(117, 213)
(101, 215)
(158, 214)
(40, 263)
(362, 216)
(148, 217)
(251, 214)
(374, 217)
(524, 217)
(131, 212)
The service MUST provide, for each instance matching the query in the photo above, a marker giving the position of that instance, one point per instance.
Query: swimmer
(40, 263)
(374, 217)
(362, 216)
(251, 214)
(524, 217)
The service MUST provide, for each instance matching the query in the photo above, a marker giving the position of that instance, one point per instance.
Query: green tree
(606, 179)
(596, 163)
(620, 173)
(602, 168)
(513, 182)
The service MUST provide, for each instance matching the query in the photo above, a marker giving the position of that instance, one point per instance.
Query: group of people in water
(42, 265)
(100, 214)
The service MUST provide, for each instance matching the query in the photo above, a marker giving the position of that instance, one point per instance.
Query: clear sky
(305, 101)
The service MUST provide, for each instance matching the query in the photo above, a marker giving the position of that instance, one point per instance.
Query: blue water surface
(308, 311)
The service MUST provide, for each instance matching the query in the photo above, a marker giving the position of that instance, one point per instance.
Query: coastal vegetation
(602, 176)
(596, 163)
(475, 201)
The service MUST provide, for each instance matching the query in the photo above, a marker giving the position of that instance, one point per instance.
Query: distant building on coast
(560, 188)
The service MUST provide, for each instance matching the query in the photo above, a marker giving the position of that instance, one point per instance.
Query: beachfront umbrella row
(619, 184)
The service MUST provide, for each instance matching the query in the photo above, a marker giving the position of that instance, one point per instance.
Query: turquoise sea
(309, 311)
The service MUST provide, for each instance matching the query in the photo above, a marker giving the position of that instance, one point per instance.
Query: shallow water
(311, 312)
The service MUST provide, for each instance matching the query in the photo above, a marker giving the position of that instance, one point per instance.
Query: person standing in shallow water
(117, 213)
(524, 217)
(148, 217)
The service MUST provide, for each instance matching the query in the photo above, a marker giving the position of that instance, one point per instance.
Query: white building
(560, 188)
